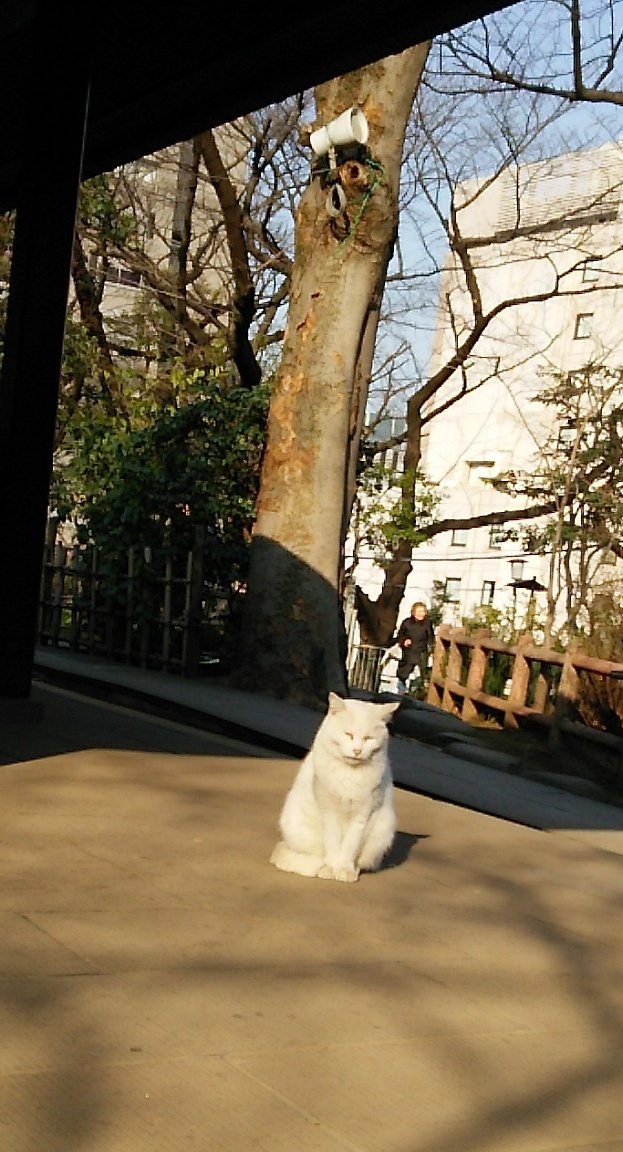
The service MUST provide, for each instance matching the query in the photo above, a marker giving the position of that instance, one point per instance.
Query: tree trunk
(293, 637)
(377, 619)
(243, 303)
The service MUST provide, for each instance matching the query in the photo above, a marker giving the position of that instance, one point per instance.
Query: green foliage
(580, 473)
(438, 601)
(393, 508)
(604, 635)
(79, 371)
(600, 698)
(506, 625)
(103, 214)
(144, 458)
(497, 622)
(149, 476)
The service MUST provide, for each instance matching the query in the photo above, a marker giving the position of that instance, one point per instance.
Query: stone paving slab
(163, 987)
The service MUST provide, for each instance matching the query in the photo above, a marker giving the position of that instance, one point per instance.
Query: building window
(381, 430)
(114, 273)
(583, 325)
(479, 471)
(566, 434)
(488, 589)
(459, 537)
(497, 536)
(590, 273)
(129, 276)
(452, 589)
(392, 459)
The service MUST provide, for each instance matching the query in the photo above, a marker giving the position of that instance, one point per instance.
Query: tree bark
(243, 303)
(293, 637)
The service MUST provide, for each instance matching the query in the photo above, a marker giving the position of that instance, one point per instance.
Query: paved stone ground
(163, 987)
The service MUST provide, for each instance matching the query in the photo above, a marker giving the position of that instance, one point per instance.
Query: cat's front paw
(346, 875)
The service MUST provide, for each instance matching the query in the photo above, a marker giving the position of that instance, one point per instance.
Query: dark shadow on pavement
(401, 849)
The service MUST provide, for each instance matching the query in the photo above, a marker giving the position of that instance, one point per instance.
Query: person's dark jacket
(422, 637)
(420, 632)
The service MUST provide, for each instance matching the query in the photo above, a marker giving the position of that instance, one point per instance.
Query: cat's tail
(290, 861)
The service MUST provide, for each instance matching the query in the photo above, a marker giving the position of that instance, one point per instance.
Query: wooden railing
(541, 687)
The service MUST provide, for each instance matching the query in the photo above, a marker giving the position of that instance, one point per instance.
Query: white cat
(338, 817)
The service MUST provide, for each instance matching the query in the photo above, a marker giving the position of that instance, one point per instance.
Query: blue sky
(476, 132)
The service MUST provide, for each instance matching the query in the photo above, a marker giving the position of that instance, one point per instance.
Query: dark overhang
(161, 73)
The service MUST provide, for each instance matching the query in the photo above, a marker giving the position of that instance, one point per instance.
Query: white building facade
(545, 266)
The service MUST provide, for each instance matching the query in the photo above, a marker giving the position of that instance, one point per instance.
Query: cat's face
(358, 729)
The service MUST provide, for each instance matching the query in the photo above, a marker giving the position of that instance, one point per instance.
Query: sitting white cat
(338, 818)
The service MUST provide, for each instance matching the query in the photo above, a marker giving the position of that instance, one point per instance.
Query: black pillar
(53, 127)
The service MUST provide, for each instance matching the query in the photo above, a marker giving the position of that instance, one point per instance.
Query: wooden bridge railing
(541, 687)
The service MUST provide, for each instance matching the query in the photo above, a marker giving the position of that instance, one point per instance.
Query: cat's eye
(348, 735)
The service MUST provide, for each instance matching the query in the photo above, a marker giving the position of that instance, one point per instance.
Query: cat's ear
(336, 703)
(387, 710)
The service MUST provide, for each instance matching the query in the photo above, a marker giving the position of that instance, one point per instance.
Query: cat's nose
(357, 750)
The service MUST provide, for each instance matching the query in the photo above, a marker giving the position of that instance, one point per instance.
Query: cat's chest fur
(344, 784)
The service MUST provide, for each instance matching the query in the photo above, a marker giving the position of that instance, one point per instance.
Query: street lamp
(532, 586)
(517, 567)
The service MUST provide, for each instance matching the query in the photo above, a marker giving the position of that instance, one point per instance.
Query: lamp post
(515, 581)
(530, 585)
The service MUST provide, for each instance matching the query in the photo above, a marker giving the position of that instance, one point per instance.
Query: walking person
(416, 637)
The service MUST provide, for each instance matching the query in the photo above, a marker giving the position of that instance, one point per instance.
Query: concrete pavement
(163, 987)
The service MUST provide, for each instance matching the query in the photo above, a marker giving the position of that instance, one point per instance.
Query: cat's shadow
(401, 849)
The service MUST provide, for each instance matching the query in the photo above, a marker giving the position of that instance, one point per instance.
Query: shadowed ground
(162, 987)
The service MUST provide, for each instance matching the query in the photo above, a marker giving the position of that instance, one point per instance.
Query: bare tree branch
(243, 303)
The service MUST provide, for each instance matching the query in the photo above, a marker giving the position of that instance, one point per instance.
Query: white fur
(338, 817)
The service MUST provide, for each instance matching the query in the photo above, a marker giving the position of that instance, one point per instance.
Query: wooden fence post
(166, 616)
(435, 687)
(47, 582)
(57, 587)
(156, 620)
(192, 642)
(541, 693)
(564, 707)
(475, 676)
(520, 681)
(453, 674)
(129, 603)
(75, 602)
(92, 621)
